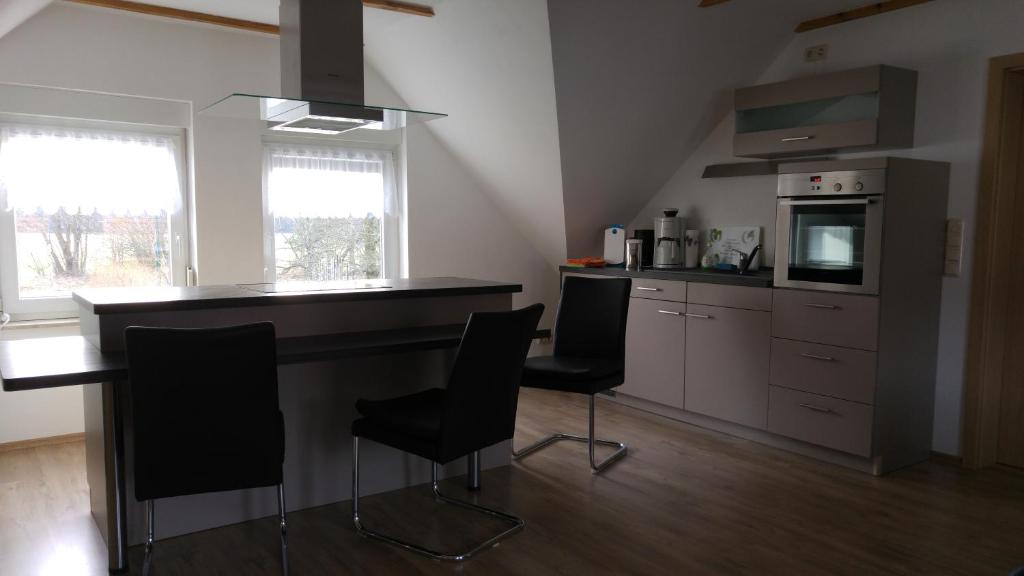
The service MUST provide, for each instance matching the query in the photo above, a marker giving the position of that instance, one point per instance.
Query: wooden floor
(685, 501)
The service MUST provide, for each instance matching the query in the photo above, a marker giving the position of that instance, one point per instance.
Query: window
(331, 214)
(86, 208)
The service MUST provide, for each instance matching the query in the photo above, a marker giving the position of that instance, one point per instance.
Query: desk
(316, 332)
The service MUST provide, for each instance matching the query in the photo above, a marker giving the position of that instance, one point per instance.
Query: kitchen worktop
(118, 300)
(760, 279)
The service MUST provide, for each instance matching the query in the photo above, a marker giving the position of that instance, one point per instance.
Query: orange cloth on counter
(587, 262)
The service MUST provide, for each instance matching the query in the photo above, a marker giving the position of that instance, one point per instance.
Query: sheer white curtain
(303, 181)
(109, 172)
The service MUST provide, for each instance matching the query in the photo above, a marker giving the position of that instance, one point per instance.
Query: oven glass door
(832, 244)
(827, 244)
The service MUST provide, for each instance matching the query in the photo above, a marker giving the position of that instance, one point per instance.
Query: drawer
(829, 422)
(826, 318)
(729, 296)
(827, 370)
(793, 141)
(671, 290)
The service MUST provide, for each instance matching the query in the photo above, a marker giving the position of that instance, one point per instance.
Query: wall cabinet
(864, 108)
(655, 344)
(727, 363)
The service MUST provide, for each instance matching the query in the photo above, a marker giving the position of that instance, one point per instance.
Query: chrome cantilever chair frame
(151, 532)
(591, 441)
(517, 523)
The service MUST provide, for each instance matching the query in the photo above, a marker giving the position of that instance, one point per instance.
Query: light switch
(954, 232)
(954, 247)
(952, 268)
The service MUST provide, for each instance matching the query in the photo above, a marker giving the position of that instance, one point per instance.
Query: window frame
(50, 308)
(392, 233)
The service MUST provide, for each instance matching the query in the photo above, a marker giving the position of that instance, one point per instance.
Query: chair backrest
(483, 388)
(591, 319)
(204, 407)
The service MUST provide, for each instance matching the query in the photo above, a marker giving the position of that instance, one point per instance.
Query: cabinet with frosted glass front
(859, 109)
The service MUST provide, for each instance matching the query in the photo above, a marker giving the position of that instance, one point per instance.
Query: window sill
(28, 324)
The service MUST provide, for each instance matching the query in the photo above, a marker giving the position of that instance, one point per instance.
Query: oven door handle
(848, 202)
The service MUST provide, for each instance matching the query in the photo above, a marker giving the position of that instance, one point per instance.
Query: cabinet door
(655, 339)
(727, 363)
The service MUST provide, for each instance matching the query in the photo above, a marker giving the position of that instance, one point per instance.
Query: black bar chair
(476, 410)
(589, 355)
(205, 414)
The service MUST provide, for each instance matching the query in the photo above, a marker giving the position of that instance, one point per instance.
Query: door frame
(990, 287)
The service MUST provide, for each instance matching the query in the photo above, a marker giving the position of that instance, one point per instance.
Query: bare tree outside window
(328, 249)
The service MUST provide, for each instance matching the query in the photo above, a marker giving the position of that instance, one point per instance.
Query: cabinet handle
(797, 138)
(821, 409)
(817, 357)
(823, 306)
(701, 316)
(646, 289)
(670, 312)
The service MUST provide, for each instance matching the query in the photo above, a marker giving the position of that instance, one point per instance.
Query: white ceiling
(639, 85)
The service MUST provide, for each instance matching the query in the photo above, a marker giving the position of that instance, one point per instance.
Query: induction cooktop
(307, 286)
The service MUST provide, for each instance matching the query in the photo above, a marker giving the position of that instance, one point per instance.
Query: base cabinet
(655, 344)
(727, 363)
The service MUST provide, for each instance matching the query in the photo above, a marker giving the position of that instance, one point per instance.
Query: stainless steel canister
(634, 253)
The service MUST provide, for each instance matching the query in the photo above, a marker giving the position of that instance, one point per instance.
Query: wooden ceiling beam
(856, 14)
(191, 16)
(403, 7)
(708, 3)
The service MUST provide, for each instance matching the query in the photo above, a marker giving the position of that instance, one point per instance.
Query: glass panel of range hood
(315, 117)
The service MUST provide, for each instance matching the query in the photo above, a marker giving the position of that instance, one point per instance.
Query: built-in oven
(828, 233)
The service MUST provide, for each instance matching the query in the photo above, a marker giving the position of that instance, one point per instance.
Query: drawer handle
(646, 289)
(797, 138)
(823, 306)
(670, 312)
(701, 316)
(821, 409)
(817, 357)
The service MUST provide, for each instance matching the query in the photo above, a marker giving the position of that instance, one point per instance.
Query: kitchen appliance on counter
(831, 214)
(668, 240)
(615, 244)
(646, 235)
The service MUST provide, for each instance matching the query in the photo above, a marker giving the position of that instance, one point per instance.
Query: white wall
(40, 413)
(949, 43)
(454, 228)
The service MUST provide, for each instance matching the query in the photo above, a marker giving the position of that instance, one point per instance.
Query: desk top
(118, 300)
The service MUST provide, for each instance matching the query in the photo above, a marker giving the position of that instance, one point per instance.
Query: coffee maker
(668, 240)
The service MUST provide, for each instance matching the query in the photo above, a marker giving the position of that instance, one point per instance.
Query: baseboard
(950, 459)
(40, 442)
(759, 436)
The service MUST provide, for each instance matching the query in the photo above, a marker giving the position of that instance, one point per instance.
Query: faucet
(746, 259)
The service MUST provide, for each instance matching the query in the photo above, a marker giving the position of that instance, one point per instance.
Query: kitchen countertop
(762, 278)
(118, 300)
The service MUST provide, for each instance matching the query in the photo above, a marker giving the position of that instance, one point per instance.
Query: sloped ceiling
(572, 113)
(14, 12)
(640, 84)
(487, 63)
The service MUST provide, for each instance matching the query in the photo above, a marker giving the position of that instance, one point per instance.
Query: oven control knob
(838, 187)
(858, 186)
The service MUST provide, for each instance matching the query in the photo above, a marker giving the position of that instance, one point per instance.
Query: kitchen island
(335, 344)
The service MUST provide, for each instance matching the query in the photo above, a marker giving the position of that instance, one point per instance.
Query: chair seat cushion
(572, 374)
(411, 423)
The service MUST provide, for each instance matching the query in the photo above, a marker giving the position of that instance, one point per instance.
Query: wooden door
(655, 340)
(1011, 409)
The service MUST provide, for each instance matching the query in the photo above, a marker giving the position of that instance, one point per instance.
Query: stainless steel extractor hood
(322, 82)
